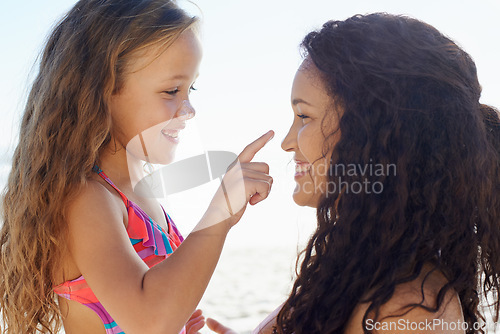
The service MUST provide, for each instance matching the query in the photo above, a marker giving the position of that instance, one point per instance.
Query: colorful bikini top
(151, 243)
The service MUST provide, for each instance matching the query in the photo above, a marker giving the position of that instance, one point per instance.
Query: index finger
(217, 327)
(251, 149)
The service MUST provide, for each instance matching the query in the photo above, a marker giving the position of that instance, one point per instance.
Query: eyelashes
(172, 92)
(176, 90)
(302, 116)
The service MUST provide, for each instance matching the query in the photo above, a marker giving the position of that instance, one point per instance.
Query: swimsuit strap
(106, 178)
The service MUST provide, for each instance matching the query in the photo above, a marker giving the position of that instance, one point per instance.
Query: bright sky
(250, 57)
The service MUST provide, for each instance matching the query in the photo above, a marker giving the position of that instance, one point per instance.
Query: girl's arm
(160, 299)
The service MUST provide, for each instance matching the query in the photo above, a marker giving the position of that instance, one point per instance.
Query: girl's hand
(218, 328)
(195, 323)
(245, 182)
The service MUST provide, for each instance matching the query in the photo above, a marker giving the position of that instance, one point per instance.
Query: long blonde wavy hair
(65, 126)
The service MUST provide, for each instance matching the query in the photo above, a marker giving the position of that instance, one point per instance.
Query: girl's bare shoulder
(95, 197)
(86, 209)
(397, 314)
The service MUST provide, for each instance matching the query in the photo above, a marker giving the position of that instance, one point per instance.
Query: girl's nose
(186, 111)
(289, 142)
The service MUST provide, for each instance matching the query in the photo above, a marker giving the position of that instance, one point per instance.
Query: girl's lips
(301, 168)
(171, 134)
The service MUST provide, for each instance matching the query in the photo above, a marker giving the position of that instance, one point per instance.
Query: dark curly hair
(409, 96)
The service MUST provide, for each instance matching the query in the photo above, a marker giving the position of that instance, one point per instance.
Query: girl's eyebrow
(176, 77)
(297, 101)
(179, 77)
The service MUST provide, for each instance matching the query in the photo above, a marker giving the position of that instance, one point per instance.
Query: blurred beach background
(251, 53)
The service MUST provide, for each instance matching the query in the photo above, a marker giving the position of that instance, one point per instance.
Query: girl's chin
(303, 199)
(163, 160)
(156, 159)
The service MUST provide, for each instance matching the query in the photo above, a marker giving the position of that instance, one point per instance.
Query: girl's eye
(302, 116)
(175, 91)
(172, 92)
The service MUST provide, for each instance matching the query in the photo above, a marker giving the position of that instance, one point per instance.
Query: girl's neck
(122, 168)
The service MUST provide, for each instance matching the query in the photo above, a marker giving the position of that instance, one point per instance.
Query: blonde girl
(79, 247)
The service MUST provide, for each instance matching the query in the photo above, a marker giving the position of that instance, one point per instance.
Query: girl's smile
(301, 168)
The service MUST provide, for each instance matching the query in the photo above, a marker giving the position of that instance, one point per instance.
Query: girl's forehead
(184, 49)
(308, 80)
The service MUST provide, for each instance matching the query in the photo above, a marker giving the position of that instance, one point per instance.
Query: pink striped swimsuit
(151, 243)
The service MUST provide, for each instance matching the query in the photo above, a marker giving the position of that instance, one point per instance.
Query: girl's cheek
(304, 142)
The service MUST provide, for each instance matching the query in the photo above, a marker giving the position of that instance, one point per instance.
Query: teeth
(173, 135)
(302, 168)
